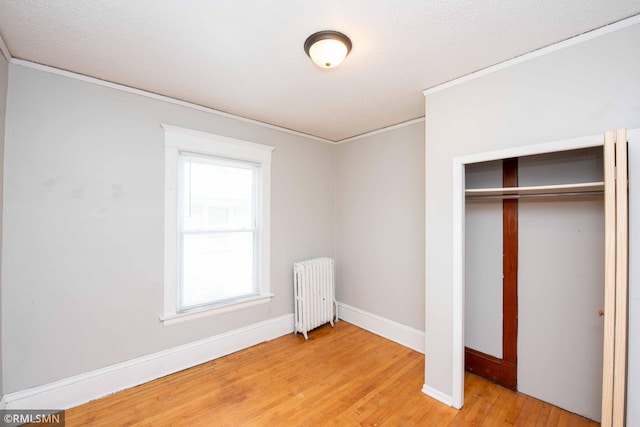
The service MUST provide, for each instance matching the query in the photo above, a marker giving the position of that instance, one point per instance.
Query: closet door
(622, 279)
(633, 354)
(614, 374)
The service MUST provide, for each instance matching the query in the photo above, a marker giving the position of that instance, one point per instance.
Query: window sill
(170, 319)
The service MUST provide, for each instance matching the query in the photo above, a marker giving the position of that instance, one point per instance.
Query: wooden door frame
(459, 164)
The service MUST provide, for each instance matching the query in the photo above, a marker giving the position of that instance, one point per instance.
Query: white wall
(581, 90)
(83, 243)
(380, 225)
(4, 79)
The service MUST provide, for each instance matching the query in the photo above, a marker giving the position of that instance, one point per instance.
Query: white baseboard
(438, 395)
(3, 404)
(394, 331)
(83, 388)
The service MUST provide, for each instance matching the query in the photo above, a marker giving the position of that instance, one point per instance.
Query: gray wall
(581, 90)
(483, 262)
(4, 79)
(83, 244)
(380, 224)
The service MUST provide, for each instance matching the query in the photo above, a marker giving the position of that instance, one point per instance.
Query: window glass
(218, 230)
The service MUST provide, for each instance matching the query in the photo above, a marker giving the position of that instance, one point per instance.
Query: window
(218, 231)
(216, 224)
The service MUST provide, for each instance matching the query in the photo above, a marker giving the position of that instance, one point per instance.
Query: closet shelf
(583, 188)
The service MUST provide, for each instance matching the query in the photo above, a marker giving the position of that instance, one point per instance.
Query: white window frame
(186, 140)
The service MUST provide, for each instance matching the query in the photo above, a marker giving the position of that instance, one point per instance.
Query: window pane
(216, 196)
(216, 267)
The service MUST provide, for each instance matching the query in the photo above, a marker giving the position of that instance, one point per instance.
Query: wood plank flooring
(342, 376)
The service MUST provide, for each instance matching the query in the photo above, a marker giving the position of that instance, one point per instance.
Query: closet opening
(534, 274)
(520, 211)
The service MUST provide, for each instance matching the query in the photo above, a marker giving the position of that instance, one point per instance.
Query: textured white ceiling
(246, 57)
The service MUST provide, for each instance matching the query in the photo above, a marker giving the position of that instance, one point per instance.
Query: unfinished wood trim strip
(510, 277)
(485, 365)
(609, 278)
(622, 280)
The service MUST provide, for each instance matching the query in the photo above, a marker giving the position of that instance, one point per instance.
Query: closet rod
(536, 195)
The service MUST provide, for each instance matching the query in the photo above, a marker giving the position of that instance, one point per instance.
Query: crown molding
(141, 92)
(581, 38)
(381, 130)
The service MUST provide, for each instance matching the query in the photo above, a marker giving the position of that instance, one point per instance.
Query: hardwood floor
(342, 376)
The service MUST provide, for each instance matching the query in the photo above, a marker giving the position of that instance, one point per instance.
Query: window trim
(180, 139)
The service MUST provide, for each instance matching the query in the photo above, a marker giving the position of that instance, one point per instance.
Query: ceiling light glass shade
(327, 49)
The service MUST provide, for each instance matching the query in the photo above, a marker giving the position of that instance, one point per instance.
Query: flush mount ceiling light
(327, 49)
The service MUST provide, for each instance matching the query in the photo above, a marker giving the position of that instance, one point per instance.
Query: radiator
(314, 301)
